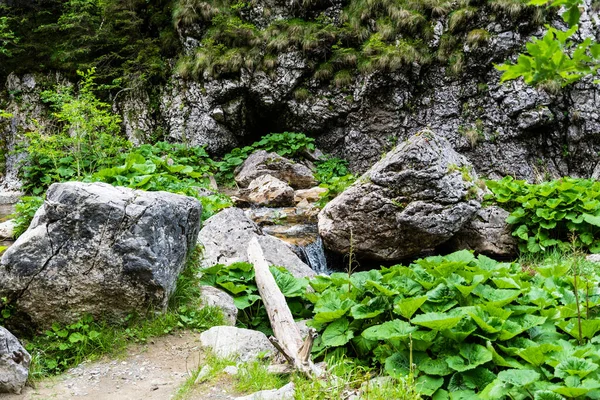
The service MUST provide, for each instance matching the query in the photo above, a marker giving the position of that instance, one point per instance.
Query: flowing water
(314, 254)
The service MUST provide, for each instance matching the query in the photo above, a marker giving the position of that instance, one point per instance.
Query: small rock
(213, 297)
(287, 392)
(267, 190)
(261, 163)
(231, 370)
(242, 344)
(595, 258)
(14, 363)
(7, 229)
(202, 375)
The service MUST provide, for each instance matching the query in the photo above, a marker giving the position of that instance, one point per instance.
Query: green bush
(473, 327)
(562, 213)
(332, 174)
(24, 211)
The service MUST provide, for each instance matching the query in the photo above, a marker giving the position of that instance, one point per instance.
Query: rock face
(225, 237)
(14, 363)
(487, 233)
(242, 344)
(269, 191)
(101, 250)
(415, 198)
(213, 297)
(262, 163)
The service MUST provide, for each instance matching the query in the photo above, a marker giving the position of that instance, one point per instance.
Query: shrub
(562, 213)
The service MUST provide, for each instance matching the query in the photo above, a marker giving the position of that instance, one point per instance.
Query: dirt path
(154, 371)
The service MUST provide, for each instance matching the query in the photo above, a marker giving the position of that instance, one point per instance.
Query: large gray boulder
(488, 233)
(262, 163)
(415, 198)
(213, 297)
(14, 363)
(225, 237)
(100, 250)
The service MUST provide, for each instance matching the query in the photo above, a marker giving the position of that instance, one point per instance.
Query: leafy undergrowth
(63, 347)
(473, 327)
(560, 213)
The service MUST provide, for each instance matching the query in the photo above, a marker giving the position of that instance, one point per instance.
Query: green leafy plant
(460, 324)
(547, 214)
(25, 210)
(332, 174)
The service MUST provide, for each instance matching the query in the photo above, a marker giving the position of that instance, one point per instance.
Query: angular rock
(225, 238)
(242, 344)
(262, 163)
(286, 392)
(14, 363)
(487, 233)
(100, 250)
(267, 190)
(415, 198)
(213, 297)
(313, 194)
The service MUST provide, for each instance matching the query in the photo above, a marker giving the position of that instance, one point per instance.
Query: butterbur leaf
(397, 365)
(574, 366)
(337, 333)
(434, 367)
(518, 377)
(391, 330)
(245, 301)
(436, 320)
(330, 307)
(407, 307)
(289, 285)
(547, 395)
(473, 355)
(536, 355)
(76, 337)
(372, 309)
(427, 385)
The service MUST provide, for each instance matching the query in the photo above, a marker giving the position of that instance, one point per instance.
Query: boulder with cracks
(99, 250)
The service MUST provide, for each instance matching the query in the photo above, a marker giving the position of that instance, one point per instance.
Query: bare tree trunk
(287, 336)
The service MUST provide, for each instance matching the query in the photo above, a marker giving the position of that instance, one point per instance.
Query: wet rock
(267, 190)
(14, 363)
(242, 344)
(225, 237)
(213, 297)
(415, 198)
(262, 163)
(286, 392)
(100, 250)
(487, 233)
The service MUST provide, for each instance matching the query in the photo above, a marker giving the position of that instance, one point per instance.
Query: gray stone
(241, 344)
(417, 197)
(231, 370)
(262, 163)
(213, 297)
(267, 190)
(225, 237)
(14, 363)
(595, 258)
(487, 233)
(101, 250)
(7, 229)
(286, 392)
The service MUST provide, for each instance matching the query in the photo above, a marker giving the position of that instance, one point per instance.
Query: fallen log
(287, 335)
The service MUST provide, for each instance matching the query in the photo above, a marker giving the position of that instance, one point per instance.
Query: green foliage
(65, 346)
(7, 36)
(87, 139)
(24, 211)
(555, 60)
(469, 325)
(126, 41)
(332, 174)
(551, 213)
